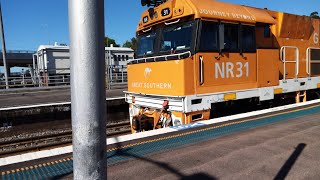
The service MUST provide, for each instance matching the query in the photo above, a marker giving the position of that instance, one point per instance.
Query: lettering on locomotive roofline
(229, 70)
(145, 85)
(226, 14)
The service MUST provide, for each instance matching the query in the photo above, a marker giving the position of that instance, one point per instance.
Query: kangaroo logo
(147, 72)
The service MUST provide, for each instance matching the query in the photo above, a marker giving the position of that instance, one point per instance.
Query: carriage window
(231, 37)
(248, 39)
(209, 36)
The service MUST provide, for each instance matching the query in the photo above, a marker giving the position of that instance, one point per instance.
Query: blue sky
(31, 23)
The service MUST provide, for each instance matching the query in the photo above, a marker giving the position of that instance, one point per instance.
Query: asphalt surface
(290, 150)
(10, 99)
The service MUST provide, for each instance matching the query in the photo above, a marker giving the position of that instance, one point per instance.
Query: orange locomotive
(194, 54)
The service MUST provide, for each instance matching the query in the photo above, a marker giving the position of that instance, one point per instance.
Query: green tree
(131, 44)
(108, 41)
(315, 15)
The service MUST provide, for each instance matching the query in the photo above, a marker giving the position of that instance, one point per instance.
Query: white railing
(39, 81)
(116, 77)
(284, 60)
(309, 60)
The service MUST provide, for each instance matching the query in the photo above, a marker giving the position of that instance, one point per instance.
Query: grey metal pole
(88, 93)
(3, 50)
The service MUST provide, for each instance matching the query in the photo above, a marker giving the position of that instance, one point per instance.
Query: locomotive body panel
(195, 54)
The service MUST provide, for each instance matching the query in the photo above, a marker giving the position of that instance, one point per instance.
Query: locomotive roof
(232, 12)
(205, 9)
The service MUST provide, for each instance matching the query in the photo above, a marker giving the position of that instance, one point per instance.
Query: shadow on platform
(283, 172)
(165, 166)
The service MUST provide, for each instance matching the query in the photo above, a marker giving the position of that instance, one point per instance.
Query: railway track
(53, 140)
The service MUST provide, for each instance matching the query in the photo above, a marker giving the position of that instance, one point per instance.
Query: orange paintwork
(206, 10)
(183, 75)
(239, 76)
(227, 72)
(205, 115)
(268, 67)
(162, 78)
(230, 12)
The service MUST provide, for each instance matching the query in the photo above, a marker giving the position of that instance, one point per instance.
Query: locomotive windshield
(146, 44)
(176, 37)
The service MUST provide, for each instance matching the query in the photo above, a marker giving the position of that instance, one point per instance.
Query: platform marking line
(210, 128)
(43, 171)
(62, 103)
(31, 167)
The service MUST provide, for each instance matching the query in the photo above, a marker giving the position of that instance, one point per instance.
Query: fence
(116, 78)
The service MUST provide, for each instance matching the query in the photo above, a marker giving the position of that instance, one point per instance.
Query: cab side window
(237, 38)
(248, 39)
(231, 38)
(209, 36)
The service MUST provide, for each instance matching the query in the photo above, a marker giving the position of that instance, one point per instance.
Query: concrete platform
(26, 97)
(287, 149)
(277, 145)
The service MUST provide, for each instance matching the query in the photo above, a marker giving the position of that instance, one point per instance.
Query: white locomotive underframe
(203, 101)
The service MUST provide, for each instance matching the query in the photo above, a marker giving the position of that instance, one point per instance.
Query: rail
(309, 60)
(284, 60)
(162, 58)
(54, 139)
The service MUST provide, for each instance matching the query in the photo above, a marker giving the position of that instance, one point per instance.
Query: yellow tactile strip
(36, 166)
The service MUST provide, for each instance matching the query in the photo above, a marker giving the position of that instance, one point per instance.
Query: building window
(127, 57)
(119, 58)
(123, 58)
(115, 57)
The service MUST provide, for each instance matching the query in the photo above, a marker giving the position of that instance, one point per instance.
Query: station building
(54, 60)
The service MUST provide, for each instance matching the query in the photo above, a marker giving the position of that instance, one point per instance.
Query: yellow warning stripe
(209, 128)
(35, 166)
